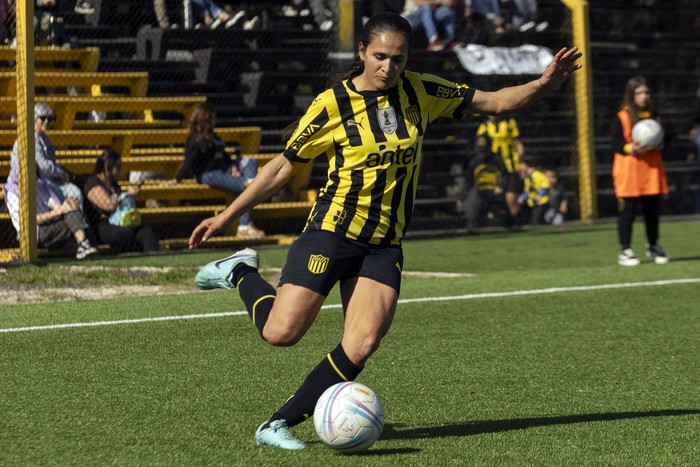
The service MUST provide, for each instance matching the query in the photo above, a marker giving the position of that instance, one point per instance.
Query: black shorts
(319, 259)
(512, 183)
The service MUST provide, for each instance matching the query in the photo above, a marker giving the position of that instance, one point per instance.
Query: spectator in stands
(536, 188)
(484, 204)
(105, 196)
(322, 11)
(45, 155)
(437, 19)
(558, 199)
(160, 9)
(60, 222)
(491, 9)
(695, 136)
(7, 22)
(525, 16)
(639, 177)
(505, 139)
(211, 14)
(370, 126)
(206, 158)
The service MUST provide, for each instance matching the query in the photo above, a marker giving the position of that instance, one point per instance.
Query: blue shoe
(217, 274)
(278, 435)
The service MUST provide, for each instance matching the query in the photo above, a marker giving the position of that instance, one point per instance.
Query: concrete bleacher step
(113, 47)
(158, 70)
(180, 88)
(155, 42)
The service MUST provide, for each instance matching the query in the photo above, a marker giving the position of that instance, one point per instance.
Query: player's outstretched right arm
(271, 178)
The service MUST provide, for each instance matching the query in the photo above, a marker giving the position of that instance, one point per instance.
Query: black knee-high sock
(335, 368)
(257, 294)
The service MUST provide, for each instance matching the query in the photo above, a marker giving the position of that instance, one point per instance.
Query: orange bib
(637, 175)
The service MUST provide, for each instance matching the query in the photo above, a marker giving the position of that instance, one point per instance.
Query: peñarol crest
(317, 264)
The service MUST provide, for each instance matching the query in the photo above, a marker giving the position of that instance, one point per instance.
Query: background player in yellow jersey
(370, 126)
(536, 188)
(505, 141)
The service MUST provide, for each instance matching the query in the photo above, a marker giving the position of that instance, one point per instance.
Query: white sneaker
(251, 23)
(84, 8)
(85, 249)
(235, 19)
(627, 258)
(657, 254)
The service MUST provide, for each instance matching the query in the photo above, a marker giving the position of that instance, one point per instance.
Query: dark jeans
(61, 232)
(142, 239)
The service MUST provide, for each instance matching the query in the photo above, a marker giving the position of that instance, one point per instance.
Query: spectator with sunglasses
(46, 155)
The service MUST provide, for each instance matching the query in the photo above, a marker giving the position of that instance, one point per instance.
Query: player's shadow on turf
(496, 426)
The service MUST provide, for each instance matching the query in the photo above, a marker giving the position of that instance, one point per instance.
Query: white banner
(523, 60)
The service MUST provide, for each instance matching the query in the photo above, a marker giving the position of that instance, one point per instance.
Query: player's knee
(280, 337)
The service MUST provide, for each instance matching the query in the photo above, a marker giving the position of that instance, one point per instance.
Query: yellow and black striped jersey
(503, 134)
(536, 185)
(373, 142)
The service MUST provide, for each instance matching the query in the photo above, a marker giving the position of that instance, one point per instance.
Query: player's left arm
(513, 98)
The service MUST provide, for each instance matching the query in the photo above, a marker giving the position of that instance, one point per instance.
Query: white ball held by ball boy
(648, 132)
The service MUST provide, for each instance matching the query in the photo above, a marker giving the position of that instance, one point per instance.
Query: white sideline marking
(550, 290)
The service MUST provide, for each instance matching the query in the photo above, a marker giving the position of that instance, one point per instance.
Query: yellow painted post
(583, 83)
(25, 130)
(347, 25)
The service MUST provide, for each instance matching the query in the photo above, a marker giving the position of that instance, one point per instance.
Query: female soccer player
(371, 127)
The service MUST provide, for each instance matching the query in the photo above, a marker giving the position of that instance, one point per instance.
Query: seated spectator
(206, 158)
(536, 188)
(60, 222)
(491, 9)
(7, 22)
(211, 14)
(437, 18)
(104, 196)
(45, 156)
(160, 9)
(322, 11)
(525, 16)
(485, 204)
(558, 200)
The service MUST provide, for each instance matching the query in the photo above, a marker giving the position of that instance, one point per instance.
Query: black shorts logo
(318, 264)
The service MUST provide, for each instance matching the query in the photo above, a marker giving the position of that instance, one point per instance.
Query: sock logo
(318, 264)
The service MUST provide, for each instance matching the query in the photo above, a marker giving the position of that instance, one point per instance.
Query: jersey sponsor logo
(387, 120)
(448, 93)
(304, 136)
(317, 264)
(412, 114)
(398, 156)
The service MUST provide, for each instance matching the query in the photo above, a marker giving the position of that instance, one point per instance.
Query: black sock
(257, 294)
(335, 368)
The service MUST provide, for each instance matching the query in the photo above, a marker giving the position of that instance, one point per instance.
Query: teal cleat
(278, 435)
(217, 274)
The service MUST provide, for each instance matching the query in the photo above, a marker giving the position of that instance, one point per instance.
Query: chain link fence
(129, 76)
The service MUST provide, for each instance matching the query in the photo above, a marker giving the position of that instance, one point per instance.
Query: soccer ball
(648, 132)
(349, 417)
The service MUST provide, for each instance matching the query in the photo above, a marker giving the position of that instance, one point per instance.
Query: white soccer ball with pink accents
(349, 417)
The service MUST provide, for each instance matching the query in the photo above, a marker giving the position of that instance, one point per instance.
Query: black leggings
(651, 208)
